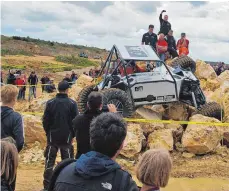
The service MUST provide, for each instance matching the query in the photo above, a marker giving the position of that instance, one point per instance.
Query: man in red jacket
(20, 84)
(162, 46)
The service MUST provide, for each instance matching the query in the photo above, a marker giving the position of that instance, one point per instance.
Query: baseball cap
(63, 85)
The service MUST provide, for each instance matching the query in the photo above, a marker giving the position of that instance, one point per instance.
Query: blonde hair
(154, 167)
(8, 93)
(9, 161)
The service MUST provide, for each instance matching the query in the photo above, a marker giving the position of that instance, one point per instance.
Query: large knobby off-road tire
(82, 98)
(184, 62)
(120, 99)
(211, 109)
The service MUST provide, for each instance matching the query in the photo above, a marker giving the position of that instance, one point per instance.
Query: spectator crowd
(165, 44)
(99, 135)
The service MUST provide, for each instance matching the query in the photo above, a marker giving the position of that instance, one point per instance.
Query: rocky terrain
(197, 150)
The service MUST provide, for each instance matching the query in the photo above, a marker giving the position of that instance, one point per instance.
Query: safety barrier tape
(157, 121)
(39, 85)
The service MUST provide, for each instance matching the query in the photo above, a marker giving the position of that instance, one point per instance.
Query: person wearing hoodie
(81, 123)
(97, 170)
(57, 123)
(11, 121)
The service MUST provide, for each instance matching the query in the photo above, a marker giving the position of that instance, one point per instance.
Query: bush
(15, 52)
(76, 61)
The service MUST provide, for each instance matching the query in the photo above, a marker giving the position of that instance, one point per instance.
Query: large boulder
(161, 139)
(32, 155)
(204, 71)
(209, 84)
(177, 111)
(201, 139)
(34, 131)
(134, 140)
(74, 92)
(148, 112)
(84, 81)
(224, 76)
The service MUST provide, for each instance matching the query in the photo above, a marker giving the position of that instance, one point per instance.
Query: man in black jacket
(172, 48)
(44, 80)
(11, 78)
(81, 124)
(33, 80)
(97, 169)
(11, 121)
(165, 26)
(57, 123)
(150, 38)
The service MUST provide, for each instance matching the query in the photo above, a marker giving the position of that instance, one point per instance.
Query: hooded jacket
(12, 126)
(81, 126)
(93, 171)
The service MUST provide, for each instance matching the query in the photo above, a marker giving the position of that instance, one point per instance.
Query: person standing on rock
(57, 123)
(11, 121)
(172, 48)
(165, 25)
(150, 38)
(81, 123)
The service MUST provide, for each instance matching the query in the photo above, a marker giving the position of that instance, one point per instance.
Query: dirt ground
(206, 173)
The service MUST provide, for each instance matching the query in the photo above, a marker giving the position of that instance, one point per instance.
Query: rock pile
(191, 139)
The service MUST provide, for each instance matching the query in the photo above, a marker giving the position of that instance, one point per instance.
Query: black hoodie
(81, 126)
(12, 126)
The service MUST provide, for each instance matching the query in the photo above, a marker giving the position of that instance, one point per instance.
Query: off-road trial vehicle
(133, 76)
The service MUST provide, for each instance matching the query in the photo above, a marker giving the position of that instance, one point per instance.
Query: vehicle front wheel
(120, 99)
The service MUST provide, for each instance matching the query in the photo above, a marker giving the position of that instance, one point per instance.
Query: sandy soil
(207, 173)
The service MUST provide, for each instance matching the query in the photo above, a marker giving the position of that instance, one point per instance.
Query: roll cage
(139, 53)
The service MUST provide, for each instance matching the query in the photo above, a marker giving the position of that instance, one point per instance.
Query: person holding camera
(81, 123)
(165, 25)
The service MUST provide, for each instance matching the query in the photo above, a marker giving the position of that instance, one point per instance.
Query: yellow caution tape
(176, 122)
(39, 85)
(157, 121)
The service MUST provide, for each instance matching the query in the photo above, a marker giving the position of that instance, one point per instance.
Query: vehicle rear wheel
(211, 109)
(185, 62)
(120, 99)
(83, 97)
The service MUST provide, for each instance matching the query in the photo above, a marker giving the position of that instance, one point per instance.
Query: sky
(102, 24)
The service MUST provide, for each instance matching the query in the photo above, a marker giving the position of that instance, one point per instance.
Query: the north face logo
(106, 185)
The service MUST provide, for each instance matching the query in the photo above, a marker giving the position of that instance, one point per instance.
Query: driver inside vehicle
(144, 66)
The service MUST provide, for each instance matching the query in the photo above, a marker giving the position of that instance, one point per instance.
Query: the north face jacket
(93, 171)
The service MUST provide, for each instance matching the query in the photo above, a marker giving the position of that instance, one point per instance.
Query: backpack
(119, 182)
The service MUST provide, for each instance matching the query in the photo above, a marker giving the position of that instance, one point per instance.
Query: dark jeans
(50, 154)
(21, 94)
(173, 52)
